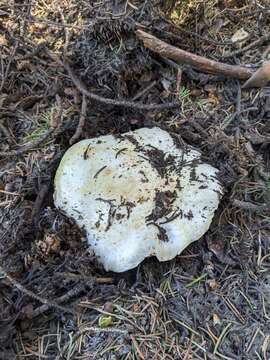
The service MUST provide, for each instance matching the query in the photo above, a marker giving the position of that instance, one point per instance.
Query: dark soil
(56, 301)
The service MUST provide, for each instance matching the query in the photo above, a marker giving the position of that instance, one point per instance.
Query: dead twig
(195, 61)
(252, 45)
(66, 30)
(5, 73)
(4, 130)
(250, 206)
(178, 80)
(39, 201)
(122, 103)
(71, 293)
(49, 303)
(194, 34)
(27, 147)
(260, 78)
(34, 144)
(36, 51)
(187, 353)
(98, 280)
(136, 346)
(81, 332)
(81, 123)
(144, 91)
(87, 282)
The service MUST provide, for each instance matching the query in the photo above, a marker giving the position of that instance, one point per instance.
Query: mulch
(75, 69)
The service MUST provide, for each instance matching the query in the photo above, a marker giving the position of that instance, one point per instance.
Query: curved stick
(195, 61)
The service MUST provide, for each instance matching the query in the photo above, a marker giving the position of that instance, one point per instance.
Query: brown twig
(39, 201)
(266, 52)
(5, 73)
(32, 145)
(98, 280)
(195, 61)
(4, 130)
(81, 123)
(144, 91)
(260, 78)
(178, 80)
(187, 353)
(255, 43)
(122, 103)
(87, 281)
(66, 30)
(195, 34)
(81, 332)
(49, 303)
(71, 293)
(250, 206)
(136, 346)
(27, 147)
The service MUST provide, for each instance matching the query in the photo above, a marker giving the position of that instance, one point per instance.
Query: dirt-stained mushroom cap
(136, 195)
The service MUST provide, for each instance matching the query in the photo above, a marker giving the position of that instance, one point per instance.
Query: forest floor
(56, 301)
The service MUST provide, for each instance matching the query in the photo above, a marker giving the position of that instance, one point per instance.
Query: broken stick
(260, 78)
(195, 61)
(121, 103)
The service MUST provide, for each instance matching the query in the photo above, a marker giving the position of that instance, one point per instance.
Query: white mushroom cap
(136, 195)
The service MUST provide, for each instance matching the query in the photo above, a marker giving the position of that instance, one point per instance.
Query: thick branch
(195, 61)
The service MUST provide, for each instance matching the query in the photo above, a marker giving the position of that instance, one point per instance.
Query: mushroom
(136, 195)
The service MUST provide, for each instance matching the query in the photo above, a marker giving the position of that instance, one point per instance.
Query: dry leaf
(3, 40)
(239, 37)
(28, 310)
(217, 247)
(213, 284)
(50, 244)
(25, 65)
(216, 319)
(217, 25)
(108, 306)
(213, 99)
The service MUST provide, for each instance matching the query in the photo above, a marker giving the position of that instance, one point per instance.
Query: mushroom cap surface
(137, 195)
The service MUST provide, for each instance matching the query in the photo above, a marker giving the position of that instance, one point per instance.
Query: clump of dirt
(56, 301)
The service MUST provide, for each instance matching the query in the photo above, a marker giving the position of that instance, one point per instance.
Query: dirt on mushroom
(56, 301)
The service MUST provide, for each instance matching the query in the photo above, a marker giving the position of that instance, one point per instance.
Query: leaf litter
(56, 301)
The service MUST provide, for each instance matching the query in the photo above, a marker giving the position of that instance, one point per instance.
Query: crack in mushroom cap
(137, 195)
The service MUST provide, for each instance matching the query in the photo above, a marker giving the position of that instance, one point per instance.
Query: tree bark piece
(195, 61)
